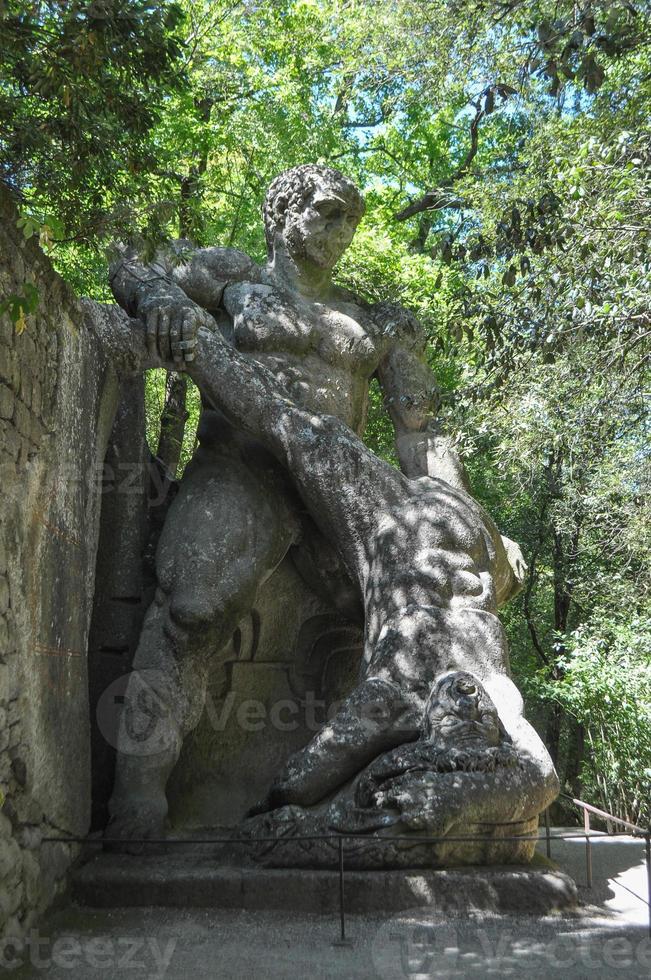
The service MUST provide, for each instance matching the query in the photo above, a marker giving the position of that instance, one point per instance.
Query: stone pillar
(120, 603)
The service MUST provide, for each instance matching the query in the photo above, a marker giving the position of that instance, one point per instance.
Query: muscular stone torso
(323, 353)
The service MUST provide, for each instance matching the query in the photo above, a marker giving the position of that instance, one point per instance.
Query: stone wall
(58, 394)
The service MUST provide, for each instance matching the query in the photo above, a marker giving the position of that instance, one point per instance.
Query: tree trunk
(172, 424)
(576, 753)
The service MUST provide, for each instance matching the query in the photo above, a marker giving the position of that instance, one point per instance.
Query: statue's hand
(517, 563)
(172, 331)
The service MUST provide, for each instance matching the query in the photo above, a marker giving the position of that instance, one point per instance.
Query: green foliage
(380, 434)
(19, 305)
(81, 85)
(606, 688)
(561, 458)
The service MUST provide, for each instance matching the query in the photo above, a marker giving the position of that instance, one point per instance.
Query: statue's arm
(412, 398)
(176, 291)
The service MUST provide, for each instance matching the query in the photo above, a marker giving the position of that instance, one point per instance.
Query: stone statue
(461, 732)
(283, 360)
(431, 568)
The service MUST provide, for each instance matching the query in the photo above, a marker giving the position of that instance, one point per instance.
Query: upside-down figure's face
(460, 712)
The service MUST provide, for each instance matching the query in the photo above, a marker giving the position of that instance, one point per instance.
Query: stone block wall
(58, 393)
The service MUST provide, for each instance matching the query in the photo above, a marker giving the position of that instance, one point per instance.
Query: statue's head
(459, 712)
(312, 212)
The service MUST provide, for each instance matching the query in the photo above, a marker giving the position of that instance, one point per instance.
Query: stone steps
(195, 879)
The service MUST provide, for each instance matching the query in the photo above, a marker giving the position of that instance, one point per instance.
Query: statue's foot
(135, 822)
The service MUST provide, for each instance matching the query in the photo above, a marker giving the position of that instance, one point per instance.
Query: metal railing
(609, 818)
(548, 836)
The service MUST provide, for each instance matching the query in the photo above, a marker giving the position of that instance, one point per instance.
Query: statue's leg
(387, 706)
(226, 531)
(384, 710)
(151, 726)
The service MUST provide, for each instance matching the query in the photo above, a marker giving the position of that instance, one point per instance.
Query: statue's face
(462, 712)
(323, 229)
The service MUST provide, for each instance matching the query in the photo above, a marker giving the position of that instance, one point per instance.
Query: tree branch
(529, 589)
(437, 199)
(172, 429)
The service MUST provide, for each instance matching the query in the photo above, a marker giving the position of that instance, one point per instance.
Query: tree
(81, 86)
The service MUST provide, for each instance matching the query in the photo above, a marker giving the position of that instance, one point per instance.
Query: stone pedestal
(190, 876)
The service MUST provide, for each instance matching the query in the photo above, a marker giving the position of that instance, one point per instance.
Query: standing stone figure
(283, 360)
(238, 511)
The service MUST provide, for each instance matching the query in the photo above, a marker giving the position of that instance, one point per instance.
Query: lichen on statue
(431, 568)
(461, 733)
(283, 357)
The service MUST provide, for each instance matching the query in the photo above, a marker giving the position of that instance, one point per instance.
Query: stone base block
(194, 879)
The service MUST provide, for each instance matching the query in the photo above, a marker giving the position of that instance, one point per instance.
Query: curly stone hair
(291, 189)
